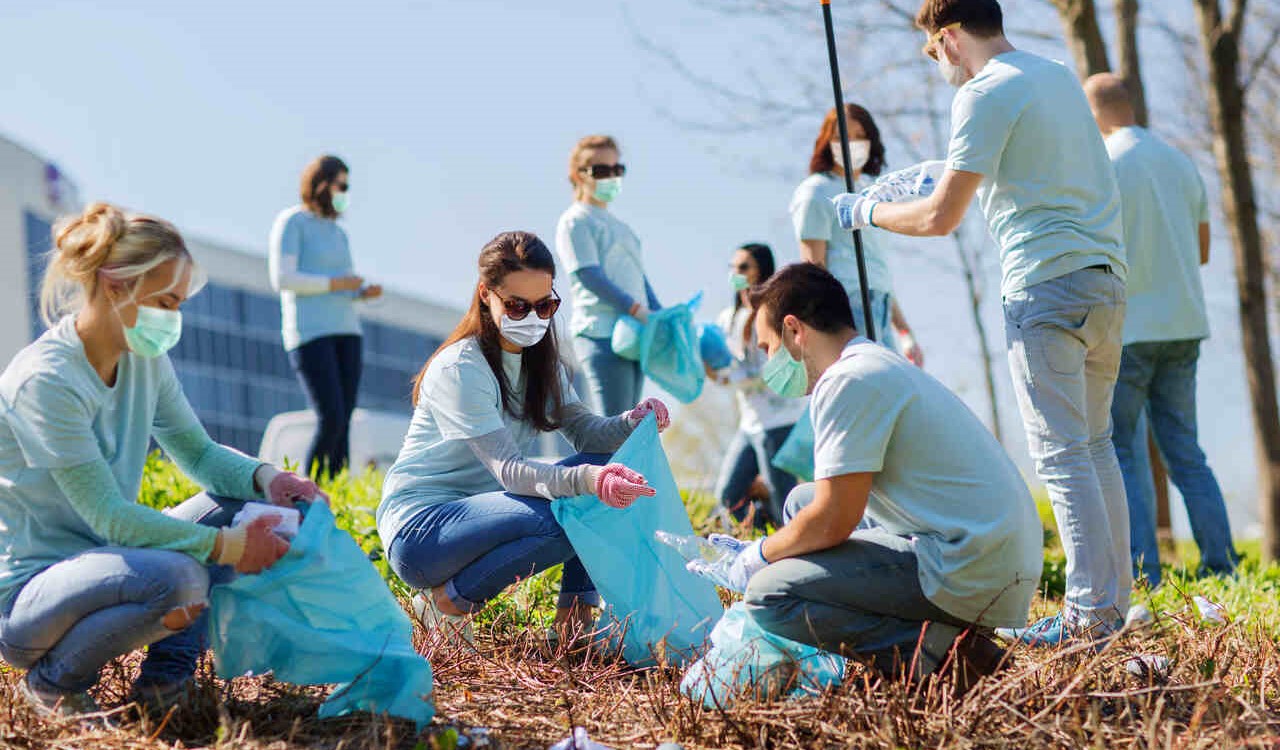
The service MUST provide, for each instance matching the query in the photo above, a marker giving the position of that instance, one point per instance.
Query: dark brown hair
(508, 252)
(810, 293)
(822, 159)
(981, 18)
(323, 171)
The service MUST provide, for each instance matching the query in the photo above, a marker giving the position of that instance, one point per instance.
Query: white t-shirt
(759, 408)
(941, 480)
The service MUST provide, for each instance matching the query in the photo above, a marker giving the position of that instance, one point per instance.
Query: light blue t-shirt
(459, 399)
(941, 480)
(813, 217)
(586, 236)
(1049, 193)
(56, 413)
(1164, 205)
(320, 246)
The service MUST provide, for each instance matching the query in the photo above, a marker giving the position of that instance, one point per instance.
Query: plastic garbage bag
(713, 347)
(655, 609)
(669, 350)
(795, 456)
(746, 661)
(323, 615)
(626, 338)
(579, 741)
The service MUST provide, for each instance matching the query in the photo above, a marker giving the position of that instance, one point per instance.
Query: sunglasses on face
(518, 309)
(931, 47)
(605, 171)
(341, 187)
(742, 268)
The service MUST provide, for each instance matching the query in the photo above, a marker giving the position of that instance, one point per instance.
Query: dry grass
(1223, 691)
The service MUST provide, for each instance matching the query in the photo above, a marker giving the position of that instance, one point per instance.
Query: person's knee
(770, 598)
(180, 590)
(799, 497)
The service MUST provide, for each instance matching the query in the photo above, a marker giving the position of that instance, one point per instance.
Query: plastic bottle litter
(1139, 616)
(914, 182)
(290, 518)
(579, 741)
(715, 560)
(1148, 666)
(1210, 612)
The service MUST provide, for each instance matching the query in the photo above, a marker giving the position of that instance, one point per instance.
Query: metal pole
(848, 176)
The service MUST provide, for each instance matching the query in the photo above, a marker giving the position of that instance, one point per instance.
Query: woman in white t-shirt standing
(765, 419)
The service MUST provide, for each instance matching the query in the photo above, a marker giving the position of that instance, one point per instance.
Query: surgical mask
(341, 201)
(524, 332)
(784, 375)
(951, 73)
(156, 331)
(607, 189)
(738, 281)
(859, 152)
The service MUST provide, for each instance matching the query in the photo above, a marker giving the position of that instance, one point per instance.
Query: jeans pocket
(1057, 347)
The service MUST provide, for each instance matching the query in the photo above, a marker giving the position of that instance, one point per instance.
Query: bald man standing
(1166, 234)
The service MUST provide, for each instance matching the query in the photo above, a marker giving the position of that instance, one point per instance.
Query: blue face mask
(607, 189)
(341, 202)
(784, 375)
(738, 281)
(156, 331)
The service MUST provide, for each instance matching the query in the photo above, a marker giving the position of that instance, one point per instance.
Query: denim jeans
(1064, 338)
(1159, 378)
(73, 617)
(751, 454)
(329, 370)
(881, 315)
(613, 385)
(478, 546)
(861, 599)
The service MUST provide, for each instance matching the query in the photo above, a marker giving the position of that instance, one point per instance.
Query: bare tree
(1084, 35)
(1130, 68)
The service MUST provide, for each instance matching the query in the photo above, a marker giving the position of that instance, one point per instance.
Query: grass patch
(1222, 690)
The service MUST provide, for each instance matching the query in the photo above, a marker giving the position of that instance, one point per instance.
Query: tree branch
(1260, 61)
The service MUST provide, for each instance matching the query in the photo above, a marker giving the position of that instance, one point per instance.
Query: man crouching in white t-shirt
(956, 546)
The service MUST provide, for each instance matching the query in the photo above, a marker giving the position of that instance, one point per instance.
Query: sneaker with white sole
(454, 627)
(57, 705)
(1054, 631)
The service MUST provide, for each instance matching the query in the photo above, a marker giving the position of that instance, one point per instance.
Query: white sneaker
(454, 628)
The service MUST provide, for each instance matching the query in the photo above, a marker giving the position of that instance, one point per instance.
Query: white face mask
(951, 73)
(524, 333)
(859, 152)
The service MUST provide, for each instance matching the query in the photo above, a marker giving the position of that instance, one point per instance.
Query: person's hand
(911, 348)
(346, 283)
(853, 210)
(618, 487)
(646, 407)
(371, 292)
(734, 569)
(288, 488)
(748, 562)
(262, 547)
(639, 312)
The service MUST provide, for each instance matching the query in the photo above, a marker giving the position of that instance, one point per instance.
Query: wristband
(233, 544)
(760, 549)
(871, 208)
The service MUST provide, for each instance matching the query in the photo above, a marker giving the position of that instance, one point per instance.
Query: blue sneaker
(1053, 631)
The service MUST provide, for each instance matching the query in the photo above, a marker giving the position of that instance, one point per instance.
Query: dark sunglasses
(604, 171)
(518, 309)
(341, 187)
(742, 267)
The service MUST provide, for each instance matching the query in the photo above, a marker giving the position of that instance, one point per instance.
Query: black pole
(848, 175)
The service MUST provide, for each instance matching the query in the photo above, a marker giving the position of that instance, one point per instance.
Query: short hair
(978, 17)
(810, 293)
(1109, 93)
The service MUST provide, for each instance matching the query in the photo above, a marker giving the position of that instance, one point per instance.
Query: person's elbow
(941, 220)
(836, 531)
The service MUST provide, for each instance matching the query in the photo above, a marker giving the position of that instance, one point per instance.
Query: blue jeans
(613, 385)
(478, 546)
(1160, 378)
(73, 617)
(751, 454)
(881, 315)
(1064, 354)
(861, 598)
(329, 370)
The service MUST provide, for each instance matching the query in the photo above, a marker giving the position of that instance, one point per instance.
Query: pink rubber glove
(643, 409)
(287, 488)
(618, 487)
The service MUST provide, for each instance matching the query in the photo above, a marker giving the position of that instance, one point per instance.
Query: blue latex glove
(734, 569)
(853, 210)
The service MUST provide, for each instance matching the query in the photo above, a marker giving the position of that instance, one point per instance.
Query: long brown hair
(508, 252)
(323, 170)
(823, 161)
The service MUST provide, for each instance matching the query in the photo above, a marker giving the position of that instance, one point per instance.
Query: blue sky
(457, 119)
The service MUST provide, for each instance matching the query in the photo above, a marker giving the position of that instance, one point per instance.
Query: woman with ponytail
(87, 574)
(464, 514)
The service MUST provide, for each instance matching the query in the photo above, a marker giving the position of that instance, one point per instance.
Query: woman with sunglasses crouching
(602, 256)
(464, 514)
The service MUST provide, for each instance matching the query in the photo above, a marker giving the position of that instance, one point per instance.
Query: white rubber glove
(854, 210)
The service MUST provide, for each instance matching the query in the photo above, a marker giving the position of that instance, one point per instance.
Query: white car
(376, 437)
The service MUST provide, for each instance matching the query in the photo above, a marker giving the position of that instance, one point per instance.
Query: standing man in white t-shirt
(1166, 237)
(1023, 141)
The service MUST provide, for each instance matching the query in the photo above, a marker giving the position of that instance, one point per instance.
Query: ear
(791, 323)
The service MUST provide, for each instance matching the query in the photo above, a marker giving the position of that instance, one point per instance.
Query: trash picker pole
(870, 324)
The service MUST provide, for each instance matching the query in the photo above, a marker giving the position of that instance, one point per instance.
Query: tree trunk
(1127, 45)
(1080, 21)
(1222, 39)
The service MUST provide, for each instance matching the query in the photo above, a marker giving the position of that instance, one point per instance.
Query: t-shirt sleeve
(853, 422)
(463, 399)
(980, 128)
(812, 216)
(173, 412)
(575, 244)
(52, 424)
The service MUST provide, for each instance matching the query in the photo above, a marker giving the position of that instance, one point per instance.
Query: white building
(231, 361)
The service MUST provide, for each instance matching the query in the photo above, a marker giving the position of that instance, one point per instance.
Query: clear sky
(457, 119)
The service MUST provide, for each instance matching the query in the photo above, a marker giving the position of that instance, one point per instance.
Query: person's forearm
(498, 452)
(285, 277)
(592, 433)
(593, 278)
(217, 468)
(807, 533)
(814, 251)
(895, 315)
(920, 218)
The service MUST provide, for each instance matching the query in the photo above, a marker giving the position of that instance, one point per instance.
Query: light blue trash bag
(669, 350)
(323, 615)
(626, 338)
(746, 661)
(654, 608)
(713, 347)
(796, 454)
